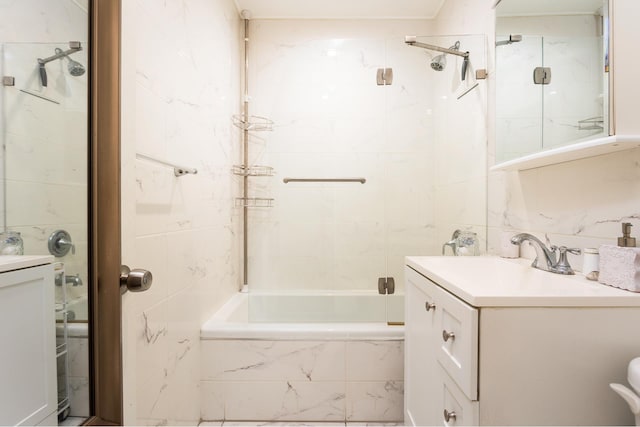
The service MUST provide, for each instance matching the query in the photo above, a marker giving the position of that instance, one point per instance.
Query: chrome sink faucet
(546, 257)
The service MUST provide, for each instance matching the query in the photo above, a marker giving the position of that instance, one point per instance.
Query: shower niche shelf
(256, 170)
(252, 123)
(254, 202)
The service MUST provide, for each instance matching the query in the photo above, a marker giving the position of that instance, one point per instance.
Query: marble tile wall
(181, 73)
(302, 380)
(598, 194)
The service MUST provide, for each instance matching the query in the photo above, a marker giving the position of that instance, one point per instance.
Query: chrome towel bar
(177, 170)
(288, 180)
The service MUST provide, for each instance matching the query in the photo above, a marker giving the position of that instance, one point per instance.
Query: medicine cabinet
(554, 75)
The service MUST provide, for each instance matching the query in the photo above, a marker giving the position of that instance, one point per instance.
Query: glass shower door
(322, 244)
(45, 189)
(319, 253)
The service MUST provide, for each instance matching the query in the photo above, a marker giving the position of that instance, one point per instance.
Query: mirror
(44, 54)
(551, 75)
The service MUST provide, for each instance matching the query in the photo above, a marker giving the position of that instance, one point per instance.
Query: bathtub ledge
(217, 330)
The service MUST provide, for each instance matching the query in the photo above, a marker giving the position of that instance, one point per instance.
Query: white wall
(180, 87)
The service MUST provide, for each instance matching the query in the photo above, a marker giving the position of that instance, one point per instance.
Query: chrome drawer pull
(448, 416)
(429, 306)
(448, 335)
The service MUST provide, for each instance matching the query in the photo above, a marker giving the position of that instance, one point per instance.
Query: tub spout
(73, 280)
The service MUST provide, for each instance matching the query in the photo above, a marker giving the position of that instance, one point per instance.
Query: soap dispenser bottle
(626, 241)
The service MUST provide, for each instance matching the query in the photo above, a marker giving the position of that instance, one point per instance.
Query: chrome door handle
(429, 306)
(446, 336)
(136, 280)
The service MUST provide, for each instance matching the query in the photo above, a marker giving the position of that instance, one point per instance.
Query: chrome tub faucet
(546, 257)
(453, 243)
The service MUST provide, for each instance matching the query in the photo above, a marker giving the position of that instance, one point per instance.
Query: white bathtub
(302, 371)
(303, 316)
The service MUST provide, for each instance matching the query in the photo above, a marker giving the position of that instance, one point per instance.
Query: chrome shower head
(75, 68)
(438, 63)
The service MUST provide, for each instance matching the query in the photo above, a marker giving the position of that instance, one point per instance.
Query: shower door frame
(105, 305)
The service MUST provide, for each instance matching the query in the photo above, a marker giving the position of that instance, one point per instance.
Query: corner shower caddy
(251, 124)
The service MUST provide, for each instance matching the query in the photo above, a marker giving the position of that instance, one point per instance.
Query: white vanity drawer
(457, 338)
(456, 409)
(454, 334)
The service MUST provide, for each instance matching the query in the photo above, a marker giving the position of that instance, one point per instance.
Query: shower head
(439, 62)
(75, 68)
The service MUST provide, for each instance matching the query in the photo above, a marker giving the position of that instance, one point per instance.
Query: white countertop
(17, 262)
(498, 282)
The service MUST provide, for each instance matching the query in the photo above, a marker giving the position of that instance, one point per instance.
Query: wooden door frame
(105, 239)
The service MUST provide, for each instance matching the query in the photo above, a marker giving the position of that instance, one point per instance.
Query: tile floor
(293, 424)
(73, 421)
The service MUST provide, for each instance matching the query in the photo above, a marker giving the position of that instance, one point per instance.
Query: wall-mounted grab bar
(288, 180)
(177, 170)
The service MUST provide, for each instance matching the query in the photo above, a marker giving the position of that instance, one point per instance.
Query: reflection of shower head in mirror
(75, 68)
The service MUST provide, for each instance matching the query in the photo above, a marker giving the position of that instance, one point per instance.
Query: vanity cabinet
(441, 351)
(478, 356)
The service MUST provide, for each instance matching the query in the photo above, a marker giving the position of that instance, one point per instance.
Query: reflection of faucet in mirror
(546, 257)
(73, 280)
(452, 243)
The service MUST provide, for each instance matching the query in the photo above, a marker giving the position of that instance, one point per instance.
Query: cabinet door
(27, 361)
(420, 362)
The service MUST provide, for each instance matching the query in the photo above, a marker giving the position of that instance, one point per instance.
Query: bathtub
(301, 367)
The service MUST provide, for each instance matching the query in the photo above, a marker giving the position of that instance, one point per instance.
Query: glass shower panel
(45, 176)
(408, 163)
(435, 170)
(323, 243)
(574, 100)
(518, 118)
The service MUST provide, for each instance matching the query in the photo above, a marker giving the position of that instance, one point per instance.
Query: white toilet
(632, 397)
